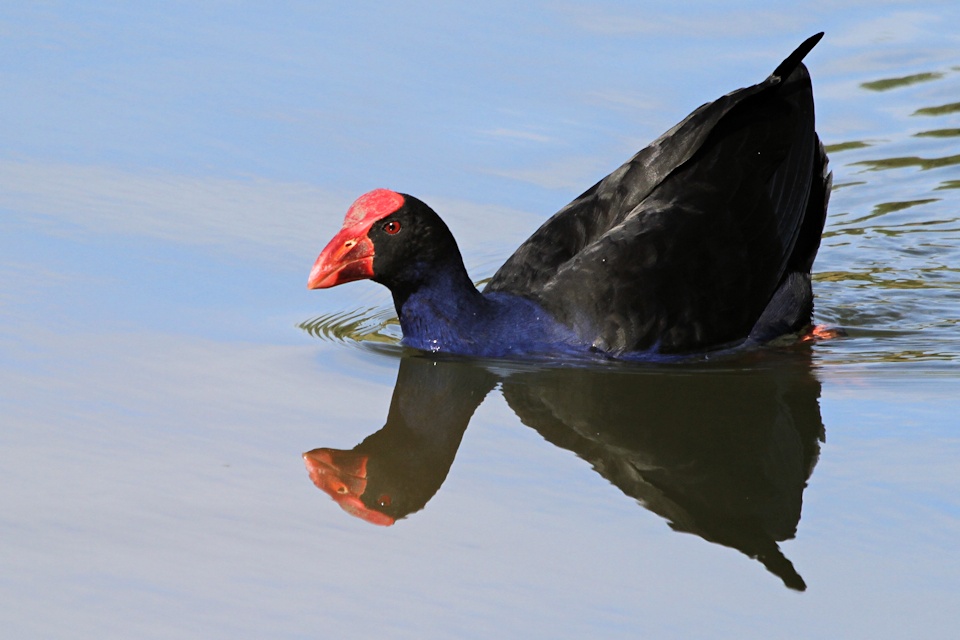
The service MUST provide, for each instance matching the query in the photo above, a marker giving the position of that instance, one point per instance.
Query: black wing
(682, 247)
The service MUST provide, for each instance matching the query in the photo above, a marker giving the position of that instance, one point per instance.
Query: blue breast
(491, 325)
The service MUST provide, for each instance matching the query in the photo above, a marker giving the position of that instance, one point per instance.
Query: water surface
(169, 174)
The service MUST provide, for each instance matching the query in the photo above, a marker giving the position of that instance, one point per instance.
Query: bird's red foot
(820, 332)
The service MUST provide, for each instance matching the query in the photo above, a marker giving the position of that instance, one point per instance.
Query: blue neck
(443, 313)
(446, 313)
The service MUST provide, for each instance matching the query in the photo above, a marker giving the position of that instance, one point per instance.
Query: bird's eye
(392, 227)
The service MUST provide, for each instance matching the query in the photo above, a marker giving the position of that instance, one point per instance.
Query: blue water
(168, 175)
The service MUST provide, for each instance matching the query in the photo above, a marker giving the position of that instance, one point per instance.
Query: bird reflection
(395, 471)
(721, 451)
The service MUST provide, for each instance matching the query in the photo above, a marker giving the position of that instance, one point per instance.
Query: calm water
(169, 174)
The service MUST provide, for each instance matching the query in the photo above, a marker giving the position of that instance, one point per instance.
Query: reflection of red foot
(822, 332)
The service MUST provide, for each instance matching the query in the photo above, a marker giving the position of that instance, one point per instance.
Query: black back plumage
(682, 248)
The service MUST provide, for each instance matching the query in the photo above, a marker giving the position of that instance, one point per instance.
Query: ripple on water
(889, 265)
(373, 328)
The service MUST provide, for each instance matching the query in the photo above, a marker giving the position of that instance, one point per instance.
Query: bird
(701, 243)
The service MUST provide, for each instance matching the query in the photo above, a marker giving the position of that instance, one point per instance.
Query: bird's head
(386, 236)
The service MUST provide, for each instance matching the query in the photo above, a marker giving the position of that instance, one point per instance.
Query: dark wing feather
(681, 248)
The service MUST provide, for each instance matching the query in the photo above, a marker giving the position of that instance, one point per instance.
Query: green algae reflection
(895, 83)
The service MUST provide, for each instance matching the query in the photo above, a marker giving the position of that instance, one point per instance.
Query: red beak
(348, 257)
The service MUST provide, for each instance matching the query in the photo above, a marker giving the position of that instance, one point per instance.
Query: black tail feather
(787, 66)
